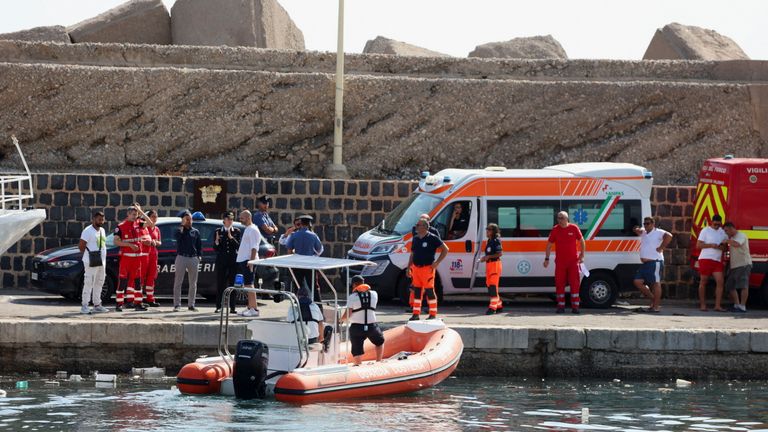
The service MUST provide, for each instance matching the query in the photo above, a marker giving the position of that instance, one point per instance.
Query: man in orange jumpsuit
(565, 236)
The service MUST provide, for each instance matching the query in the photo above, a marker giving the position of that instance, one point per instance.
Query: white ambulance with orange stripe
(737, 190)
(606, 200)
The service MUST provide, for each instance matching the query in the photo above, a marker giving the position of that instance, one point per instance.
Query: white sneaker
(243, 312)
(100, 309)
(251, 312)
(85, 311)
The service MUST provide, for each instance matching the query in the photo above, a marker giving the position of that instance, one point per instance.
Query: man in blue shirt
(189, 251)
(305, 242)
(263, 222)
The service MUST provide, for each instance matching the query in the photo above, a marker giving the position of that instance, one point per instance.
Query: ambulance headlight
(385, 248)
(375, 270)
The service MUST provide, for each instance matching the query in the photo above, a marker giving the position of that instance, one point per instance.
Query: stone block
(605, 339)
(570, 338)
(125, 332)
(501, 338)
(136, 21)
(535, 47)
(599, 339)
(680, 42)
(53, 332)
(705, 340)
(207, 335)
(253, 23)
(733, 341)
(650, 340)
(467, 336)
(39, 34)
(758, 341)
(8, 332)
(382, 45)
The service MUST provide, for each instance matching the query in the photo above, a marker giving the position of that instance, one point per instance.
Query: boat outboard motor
(250, 371)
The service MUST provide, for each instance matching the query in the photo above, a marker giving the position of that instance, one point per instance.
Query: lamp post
(337, 169)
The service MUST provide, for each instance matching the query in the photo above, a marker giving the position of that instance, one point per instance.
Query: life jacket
(306, 312)
(364, 294)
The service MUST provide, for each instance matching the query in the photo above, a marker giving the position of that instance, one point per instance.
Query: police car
(60, 270)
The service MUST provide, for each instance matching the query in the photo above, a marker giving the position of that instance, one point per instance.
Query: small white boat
(15, 220)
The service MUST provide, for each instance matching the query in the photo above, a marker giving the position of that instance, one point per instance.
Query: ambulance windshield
(403, 217)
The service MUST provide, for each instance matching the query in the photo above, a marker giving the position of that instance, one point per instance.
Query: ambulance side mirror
(468, 245)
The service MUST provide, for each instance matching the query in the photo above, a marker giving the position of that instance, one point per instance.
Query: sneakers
(192, 308)
(119, 308)
(575, 311)
(139, 307)
(152, 304)
(233, 311)
(84, 310)
(177, 308)
(100, 309)
(431, 317)
(218, 310)
(490, 311)
(560, 310)
(413, 317)
(128, 305)
(250, 313)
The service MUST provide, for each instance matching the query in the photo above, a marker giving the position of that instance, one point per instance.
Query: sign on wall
(211, 197)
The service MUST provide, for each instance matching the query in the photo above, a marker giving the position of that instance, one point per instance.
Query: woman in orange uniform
(492, 260)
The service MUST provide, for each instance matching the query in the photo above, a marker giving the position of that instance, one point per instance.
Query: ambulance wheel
(599, 290)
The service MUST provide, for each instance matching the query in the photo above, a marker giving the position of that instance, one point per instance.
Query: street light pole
(337, 168)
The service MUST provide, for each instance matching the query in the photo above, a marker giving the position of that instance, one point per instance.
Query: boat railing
(301, 335)
(12, 187)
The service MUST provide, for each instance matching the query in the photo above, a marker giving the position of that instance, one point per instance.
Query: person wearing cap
(305, 242)
(266, 226)
(248, 251)
(311, 315)
(128, 239)
(711, 242)
(92, 239)
(421, 268)
(226, 242)
(361, 311)
(189, 251)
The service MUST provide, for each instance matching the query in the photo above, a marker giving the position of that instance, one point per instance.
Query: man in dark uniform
(226, 242)
(305, 242)
(263, 221)
(422, 265)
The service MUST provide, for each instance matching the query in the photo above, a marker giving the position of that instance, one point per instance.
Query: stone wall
(343, 210)
(196, 111)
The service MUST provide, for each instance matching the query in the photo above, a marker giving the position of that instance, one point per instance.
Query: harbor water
(458, 404)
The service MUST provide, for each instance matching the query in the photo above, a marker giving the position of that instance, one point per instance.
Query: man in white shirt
(361, 307)
(652, 243)
(93, 239)
(248, 251)
(711, 243)
(310, 314)
(740, 267)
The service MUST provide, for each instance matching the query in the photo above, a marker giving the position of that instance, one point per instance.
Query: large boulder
(136, 21)
(680, 42)
(252, 23)
(39, 34)
(535, 47)
(382, 45)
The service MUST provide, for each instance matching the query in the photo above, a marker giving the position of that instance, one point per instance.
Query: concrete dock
(46, 333)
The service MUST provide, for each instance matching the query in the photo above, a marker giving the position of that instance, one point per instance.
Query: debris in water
(106, 377)
(61, 374)
(22, 385)
(3, 393)
(585, 415)
(682, 383)
(75, 378)
(151, 372)
(616, 380)
(51, 383)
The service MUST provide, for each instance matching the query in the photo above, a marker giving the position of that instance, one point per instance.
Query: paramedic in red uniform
(149, 272)
(565, 236)
(127, 237)
(492, 260)
(422, 265)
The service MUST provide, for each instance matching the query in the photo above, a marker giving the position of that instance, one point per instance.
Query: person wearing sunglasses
(648, 277)
(566, 236)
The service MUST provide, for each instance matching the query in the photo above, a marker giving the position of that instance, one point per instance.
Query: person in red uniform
(565, 236)
(127, 237)
(492, 260)
(421, 267)
(149, 265)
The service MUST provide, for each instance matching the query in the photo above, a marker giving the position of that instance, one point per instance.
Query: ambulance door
(458, 224)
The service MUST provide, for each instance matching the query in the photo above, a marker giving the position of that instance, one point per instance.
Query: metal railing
(17, 196)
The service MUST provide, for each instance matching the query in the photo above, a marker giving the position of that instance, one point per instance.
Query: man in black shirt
(421, 267)
(189, 251)
(226, 242)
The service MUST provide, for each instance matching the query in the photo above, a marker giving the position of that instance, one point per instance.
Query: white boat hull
(14, 224)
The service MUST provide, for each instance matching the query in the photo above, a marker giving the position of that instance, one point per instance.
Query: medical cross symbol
(580, 216)
(523, 267)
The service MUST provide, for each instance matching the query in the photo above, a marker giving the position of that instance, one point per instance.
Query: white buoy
(682, 383)
(585, 415)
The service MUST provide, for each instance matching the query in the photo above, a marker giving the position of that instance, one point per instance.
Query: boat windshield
(403, 217)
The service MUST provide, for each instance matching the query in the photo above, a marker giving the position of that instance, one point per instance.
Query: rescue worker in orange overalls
(492, 260)
(127, 237)
(149, 261)
(434, 231)
(421, 267)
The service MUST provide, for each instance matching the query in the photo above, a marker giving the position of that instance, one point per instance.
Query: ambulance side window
(523, 219)
(453, 221)
(620, 222)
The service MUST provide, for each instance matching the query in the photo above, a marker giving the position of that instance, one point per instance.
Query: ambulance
(737, 190)
(606, 200)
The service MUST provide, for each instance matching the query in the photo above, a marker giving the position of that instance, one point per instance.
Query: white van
(606, 200)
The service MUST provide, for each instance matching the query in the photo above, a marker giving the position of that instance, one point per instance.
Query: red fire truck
(737, 190)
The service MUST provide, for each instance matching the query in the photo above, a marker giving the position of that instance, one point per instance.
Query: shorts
(423, 277)
(738, 278)
(357, 337)
(707, 267)
(650, 272)
(492, 273)
(242, 268)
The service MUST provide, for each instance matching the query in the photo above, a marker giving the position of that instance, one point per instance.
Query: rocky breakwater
(214, 110)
